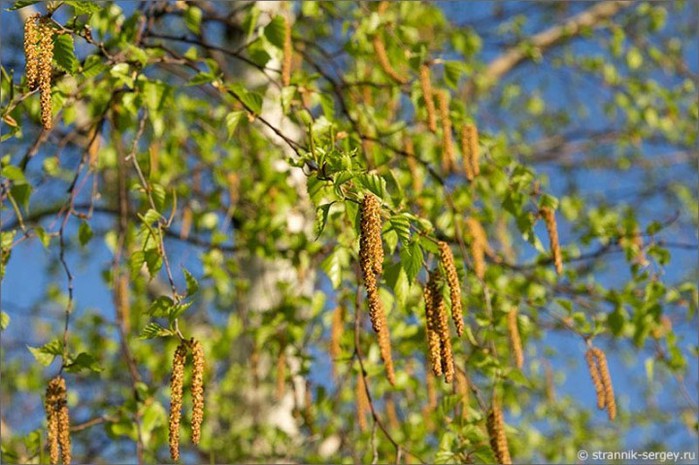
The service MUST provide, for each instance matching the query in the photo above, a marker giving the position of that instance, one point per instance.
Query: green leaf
(321, 219)
(64, 54)
(334, 264)
(93, 66)
(192, 19)
(21, 4)
(274, 31)
(178, 309)
(84, 233)
(43, 236)
(13, 173)
(232, 120)
(41, 357)
(397, 279)
(4, 320)
(161, 306)
(83, 361)
(153, 330)
(251, 100)
(82, 7)
(192, 283)
(411, 258)
(400, 223)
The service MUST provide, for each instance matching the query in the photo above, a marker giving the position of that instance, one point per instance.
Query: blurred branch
(553, 36)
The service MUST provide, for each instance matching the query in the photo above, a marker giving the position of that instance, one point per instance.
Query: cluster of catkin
(438, 336)
(371, 264)
(426, 87)
(470, 151)
(550, 219)
(496, 432)
(38, 53)
(58, 420)
(176, 388)
(599, 372)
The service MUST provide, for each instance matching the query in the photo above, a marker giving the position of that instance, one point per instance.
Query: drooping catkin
(176, 385)
(64, 430)
(466, 152)
(288, 53)
(474, 151)
(606, 379)
(478, 245)
(55, 395)
(550, 219)
(426, 86)
(447, 258)
(448, 159)
(371, 263)
(363, 407)
(384, 63)
(281, 375)
(415, 177)
(31, 52)
(462, 389)
(386, 356)
(187, 218)
(433, 343)
(198, 360)
(391, 413)
(515, 339)
(596, 378)
(336, 330)
(442, 360)
(496, 431)
(45, 69)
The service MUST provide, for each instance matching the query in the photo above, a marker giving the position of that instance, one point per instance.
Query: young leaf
(84, 233)
(41, 357)
(153, 330)
(83, 361)
(63, 53)
(192, 283)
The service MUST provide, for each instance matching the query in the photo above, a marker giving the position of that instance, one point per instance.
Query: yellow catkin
(550, 220)
(478, 246)
(383, 6)
(93, 148)
(441, 328)
(596, 378)
(176, 385)
(31, 53)
(462, 389)
(474, 152)
(606, 382)
(371, 263)
(433, 343)
(123, 302)
(288, 53)
(336, 330)
(426, 86)
(45, 32)
(281, 375)
(391, 413)
(415, 177)
(466, 152)
(448, 159)
(187, 217)
(386, 356)
(431, 391)
(496, 431)
(233, 188)
(198, 361)
(515, 340)
(64, 431)
(55, 395)
(447, 259)
(384, 63)
(363, 407)
(639, 258)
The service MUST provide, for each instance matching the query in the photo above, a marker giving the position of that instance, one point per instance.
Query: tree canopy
(348, 232)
